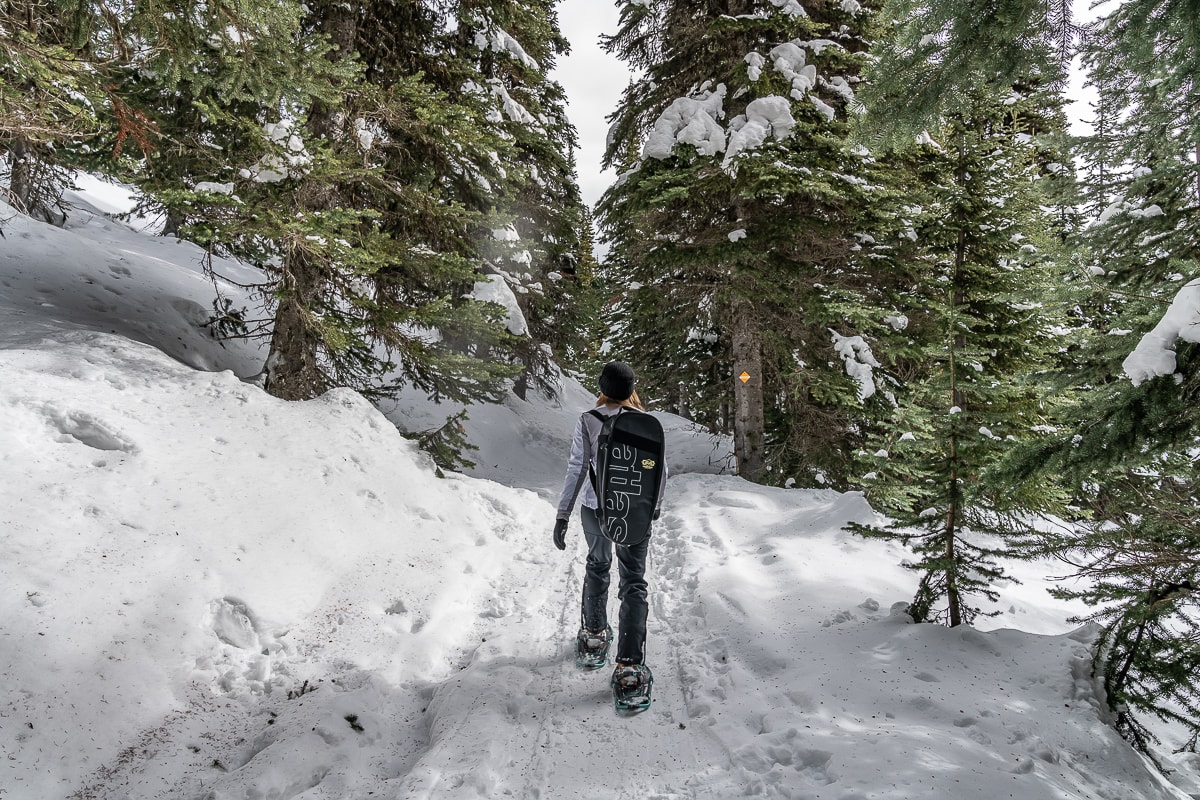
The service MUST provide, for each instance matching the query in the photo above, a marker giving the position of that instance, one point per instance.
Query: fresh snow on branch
(274, 168)
(1124, 206)
(501, 41)
(364, 134)
(506, 234)
(925, 139)
(692, 121)
(511, 108)
(860, 362)
(766, 116)
(215, 188)
(826, 110)
(1154, 355)
(754, 66)
(789, 60)
(495, 289)
(790, 7)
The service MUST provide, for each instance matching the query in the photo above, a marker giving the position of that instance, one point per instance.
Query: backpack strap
(591, 461)
(601, 441)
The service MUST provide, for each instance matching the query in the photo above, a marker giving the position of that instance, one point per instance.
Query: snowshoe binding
(631, 684)
(591, 648)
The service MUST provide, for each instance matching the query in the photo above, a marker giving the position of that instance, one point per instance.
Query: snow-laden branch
(1155, 353)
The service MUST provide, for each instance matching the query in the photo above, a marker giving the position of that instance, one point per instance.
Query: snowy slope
(210, 593)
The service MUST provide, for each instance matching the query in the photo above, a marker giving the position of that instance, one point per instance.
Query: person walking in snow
(631, 676)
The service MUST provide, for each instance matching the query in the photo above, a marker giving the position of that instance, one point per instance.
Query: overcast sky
(593, 81)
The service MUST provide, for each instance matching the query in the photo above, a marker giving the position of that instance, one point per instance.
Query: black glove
(657, 511)
(560, 534)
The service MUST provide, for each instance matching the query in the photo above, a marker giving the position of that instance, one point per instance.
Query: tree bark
(293, 366)
(20, 181)
(748, 422)
(957, 343)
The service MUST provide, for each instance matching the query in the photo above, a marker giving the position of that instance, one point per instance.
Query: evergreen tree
(940, 54)
(541, 252)
(735, 219)
(221, 90)
(364, 187)
(360, 155)
(56, 94)
(981, 338)
(1127, 454)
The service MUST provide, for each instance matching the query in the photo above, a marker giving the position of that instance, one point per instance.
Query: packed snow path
(211, 594)
(538, 727)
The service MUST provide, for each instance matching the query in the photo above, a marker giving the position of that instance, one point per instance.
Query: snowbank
(177, 539)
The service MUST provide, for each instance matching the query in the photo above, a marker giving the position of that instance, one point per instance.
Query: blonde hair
(633, 401)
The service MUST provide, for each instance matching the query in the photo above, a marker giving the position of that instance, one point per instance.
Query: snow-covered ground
(207, 593)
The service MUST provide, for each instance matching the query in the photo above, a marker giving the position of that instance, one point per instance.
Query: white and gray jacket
(583, 454)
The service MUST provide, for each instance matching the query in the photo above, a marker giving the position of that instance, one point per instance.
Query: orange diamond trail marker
(745, 376)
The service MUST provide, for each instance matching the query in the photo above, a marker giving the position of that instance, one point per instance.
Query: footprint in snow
(839, 618)
(233, 625)
(89, 430)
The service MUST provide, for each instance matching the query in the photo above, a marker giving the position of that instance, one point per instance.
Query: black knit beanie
(616, 380)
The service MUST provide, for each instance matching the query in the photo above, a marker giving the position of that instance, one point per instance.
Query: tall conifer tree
(1125, 456)
(1128, 454)
(365, 196)
(540, 252)
(971, 390)
(60, 90)
(736, 216)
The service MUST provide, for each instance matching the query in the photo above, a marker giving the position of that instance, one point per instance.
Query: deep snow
(210, 593)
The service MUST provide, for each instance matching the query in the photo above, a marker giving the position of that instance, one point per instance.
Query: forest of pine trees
(859, 239)
(376, 161)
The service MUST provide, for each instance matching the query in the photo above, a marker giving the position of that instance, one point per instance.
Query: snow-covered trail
(215, 595)
(778, 675)
(210, 594)
(535, 726)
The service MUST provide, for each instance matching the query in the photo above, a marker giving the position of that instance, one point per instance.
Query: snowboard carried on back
(628, 478)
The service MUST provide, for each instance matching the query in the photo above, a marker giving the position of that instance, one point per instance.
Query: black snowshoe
(631, 684)
(591, 648)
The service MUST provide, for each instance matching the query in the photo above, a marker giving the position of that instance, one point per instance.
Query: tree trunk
(20, 181)
(748, 422)
(953, 598)
(172, 226)
(957, 342)
(293, 365)
(521, 382)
